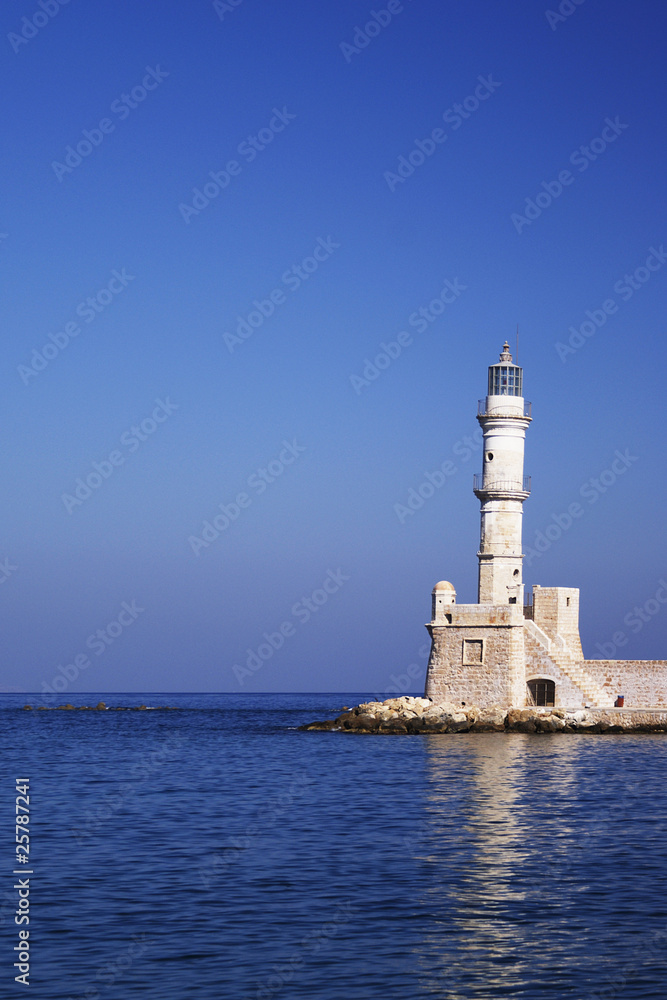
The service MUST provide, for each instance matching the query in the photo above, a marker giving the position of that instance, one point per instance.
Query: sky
(215, 218)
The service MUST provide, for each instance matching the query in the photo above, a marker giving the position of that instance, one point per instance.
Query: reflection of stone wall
(643, 683)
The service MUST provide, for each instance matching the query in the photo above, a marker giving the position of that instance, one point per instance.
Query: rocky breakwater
(421, 715)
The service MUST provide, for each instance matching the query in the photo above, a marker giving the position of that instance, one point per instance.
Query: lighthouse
(503, 651)
(502, 487)
(478, 650)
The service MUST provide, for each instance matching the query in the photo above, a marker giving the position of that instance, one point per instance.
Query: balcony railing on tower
(502, 411)
(500, 485)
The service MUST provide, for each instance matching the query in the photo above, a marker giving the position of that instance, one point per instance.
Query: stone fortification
(641, 682)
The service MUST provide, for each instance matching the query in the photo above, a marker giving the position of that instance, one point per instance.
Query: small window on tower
(567, 599)
(489, 456)
(473, 651)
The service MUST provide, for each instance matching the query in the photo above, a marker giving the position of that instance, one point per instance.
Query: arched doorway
(542, 692)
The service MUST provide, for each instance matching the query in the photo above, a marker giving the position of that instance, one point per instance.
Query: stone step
(560, 656)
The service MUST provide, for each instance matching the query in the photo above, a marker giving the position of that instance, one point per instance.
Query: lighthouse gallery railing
(502, 486)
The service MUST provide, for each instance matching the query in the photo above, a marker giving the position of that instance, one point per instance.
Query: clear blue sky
(305, 121)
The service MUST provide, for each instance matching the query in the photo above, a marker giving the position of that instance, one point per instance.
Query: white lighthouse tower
(502, 487)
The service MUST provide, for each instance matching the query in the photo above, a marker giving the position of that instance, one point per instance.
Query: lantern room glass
(505, 380)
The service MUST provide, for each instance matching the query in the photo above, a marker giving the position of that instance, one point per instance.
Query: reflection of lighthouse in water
(494, 830)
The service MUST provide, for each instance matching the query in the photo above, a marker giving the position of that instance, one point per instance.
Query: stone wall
(556, 611)
(456, 673)
(643, 683)
(540, 664)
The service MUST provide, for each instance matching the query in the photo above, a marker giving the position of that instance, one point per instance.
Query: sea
(219, 851)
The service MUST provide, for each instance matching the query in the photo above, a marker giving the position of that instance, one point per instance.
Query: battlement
(478, 615)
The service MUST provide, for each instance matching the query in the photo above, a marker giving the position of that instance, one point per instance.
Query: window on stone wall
(542, 692)
(473, 651)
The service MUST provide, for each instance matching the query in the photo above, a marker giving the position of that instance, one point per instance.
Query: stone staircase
(558, 653)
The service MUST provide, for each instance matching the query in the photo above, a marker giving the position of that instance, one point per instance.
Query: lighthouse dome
(444, 585)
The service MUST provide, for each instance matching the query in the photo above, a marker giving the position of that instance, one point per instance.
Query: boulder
(489, 720)
(393, 726)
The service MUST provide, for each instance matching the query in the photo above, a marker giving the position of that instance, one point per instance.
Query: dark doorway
(542, 693)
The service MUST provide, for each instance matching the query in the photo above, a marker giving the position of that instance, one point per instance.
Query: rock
(549, 724)
(100, 705)
(26, 707)
(489, 720)
(393, 726)
(521, 720)
(444, 707)
(434, 724)
(365, 723)
(370, 707)
(398, 703)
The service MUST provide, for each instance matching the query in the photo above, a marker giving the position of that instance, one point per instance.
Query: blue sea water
(219, 852)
